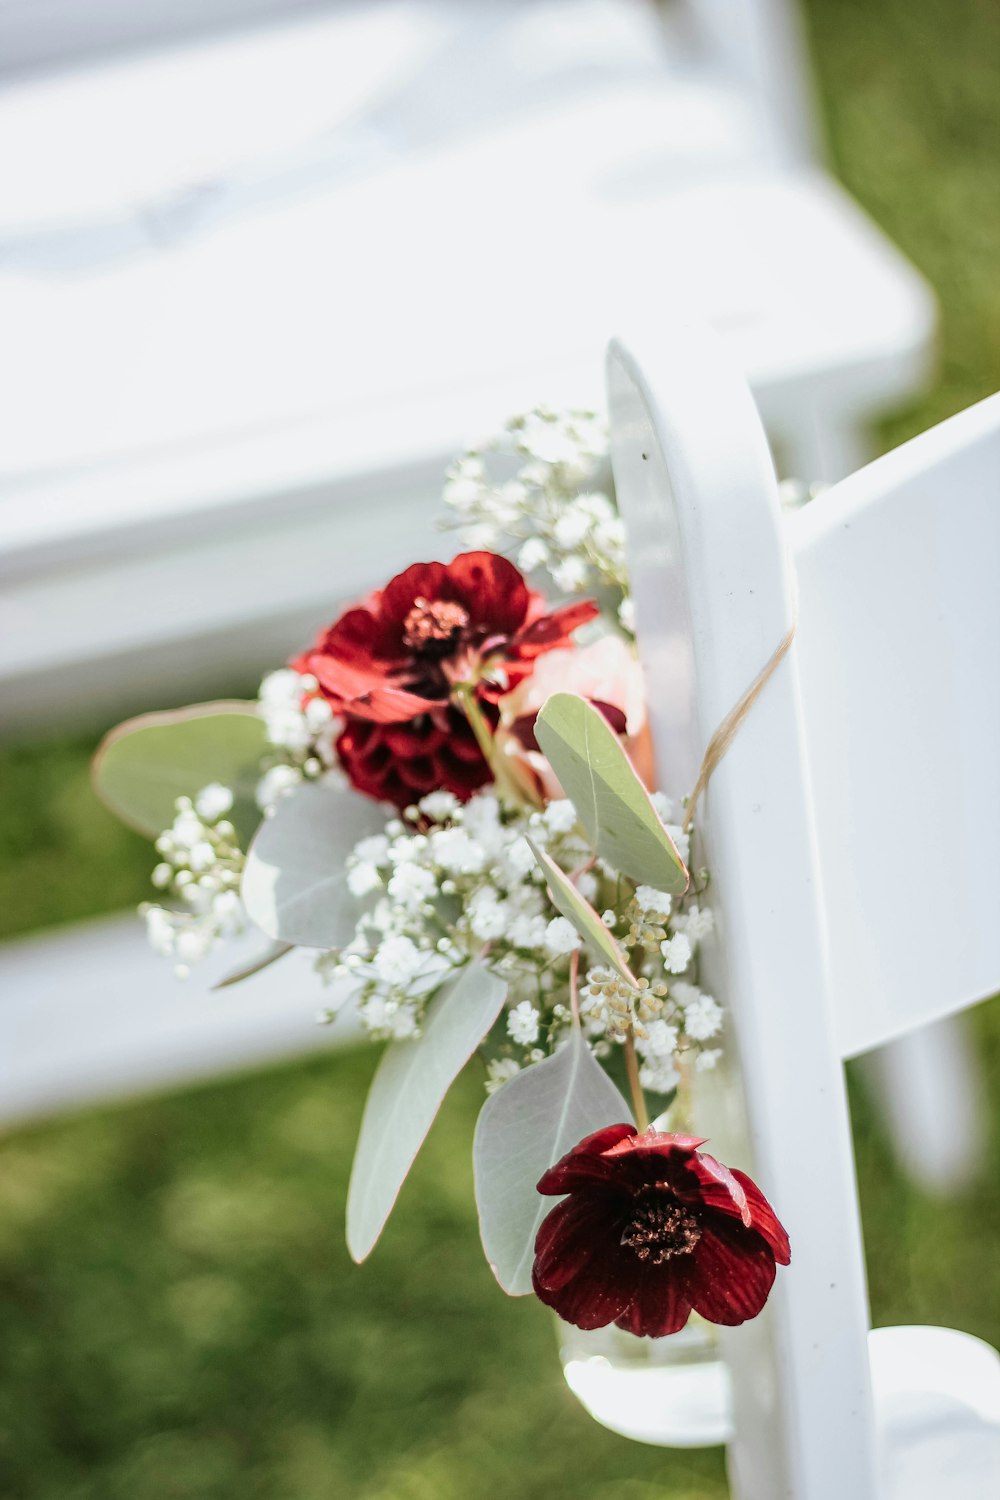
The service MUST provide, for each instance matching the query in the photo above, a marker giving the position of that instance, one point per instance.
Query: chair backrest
(851, 831)
(760, 44)
(714, 597)
(36, 37)
(898, 642)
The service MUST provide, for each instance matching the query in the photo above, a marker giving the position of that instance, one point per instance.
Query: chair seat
(937, 1409)
(174, 462)
(88, 1012)
(937, 1414)
(226, 329)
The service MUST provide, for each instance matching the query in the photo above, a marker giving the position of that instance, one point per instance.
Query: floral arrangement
(446, 799)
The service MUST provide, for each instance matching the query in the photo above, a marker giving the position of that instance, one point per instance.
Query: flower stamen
(433, 626)
(659, 1230)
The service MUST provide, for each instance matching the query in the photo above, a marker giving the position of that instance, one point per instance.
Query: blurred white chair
(242, 338)
(206, 449)
(851, 831)
(88, 1013)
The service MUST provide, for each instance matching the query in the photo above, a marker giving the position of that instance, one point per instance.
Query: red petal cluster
(651, 1228)
(388, 667)
(400, 763)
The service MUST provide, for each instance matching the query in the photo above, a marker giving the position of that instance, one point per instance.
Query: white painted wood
(760, 43)
(89, 1013)
(714, 597)
(924, 1077)
(942, 702)
(38, 35)
(937, 1407)
(194, 480)
(816, 828)
(898, 638)
(188, 305)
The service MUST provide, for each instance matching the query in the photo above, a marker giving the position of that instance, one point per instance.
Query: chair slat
(713, 600)
(898, 644)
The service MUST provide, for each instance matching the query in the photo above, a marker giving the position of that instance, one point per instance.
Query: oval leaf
(406, 1093)
(575, 909)
(523, 1129)
(144, 765)
(601, 782)
(294, 882)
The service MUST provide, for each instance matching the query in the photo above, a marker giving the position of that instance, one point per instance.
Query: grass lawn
(180, 1319)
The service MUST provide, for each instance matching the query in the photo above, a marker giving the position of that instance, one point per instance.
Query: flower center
(433, 626)
(659, 1229)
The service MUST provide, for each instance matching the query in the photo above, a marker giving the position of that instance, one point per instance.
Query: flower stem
(470, 708)
(583, 869)
(635, 1087)
(464, 695)
(680, 1110)
(574, 997)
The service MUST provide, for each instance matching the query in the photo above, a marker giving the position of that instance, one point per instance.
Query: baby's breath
(446, 883)
(200, 867)
(301, 732)
(540, 491)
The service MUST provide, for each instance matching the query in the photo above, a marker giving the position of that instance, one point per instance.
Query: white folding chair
(240, 347)
(851, 833)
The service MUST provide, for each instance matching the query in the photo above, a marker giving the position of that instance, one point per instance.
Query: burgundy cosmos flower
(389, 666)
(651, 1228)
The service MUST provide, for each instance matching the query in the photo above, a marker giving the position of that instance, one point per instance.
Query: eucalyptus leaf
(295, 880)
(523, 1129)
(254, 966)
(410, 1083)
(144, 765)
(601, 782)
(582, 915)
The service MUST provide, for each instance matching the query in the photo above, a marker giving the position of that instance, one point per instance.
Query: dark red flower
(390, 666)
(400, 763)
(651, 1228)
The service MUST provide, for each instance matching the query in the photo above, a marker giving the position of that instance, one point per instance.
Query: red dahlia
(390, 666)
(651, 1228)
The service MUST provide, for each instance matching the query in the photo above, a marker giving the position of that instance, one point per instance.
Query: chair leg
(920, 1080)
(824, 449)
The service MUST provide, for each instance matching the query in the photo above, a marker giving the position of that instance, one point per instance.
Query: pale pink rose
(608, 674)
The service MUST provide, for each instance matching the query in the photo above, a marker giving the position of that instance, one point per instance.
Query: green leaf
(575, 909)
(295, 881)
(144, 765)
(614, 806)
(406, 1093)
(523, 1129)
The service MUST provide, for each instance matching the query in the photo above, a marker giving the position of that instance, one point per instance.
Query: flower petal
(614, 715)
(414, 737)
(660, 1305)
(730, 1273)
(365, 693)
(363, 636)
(490, 588)
(600, 1283)
(587, 1304)
(655, 1157)
(718, 1187)
(729, 1191)
(418, 581)
(552, 630)
(764, 1219)
(577, 1230)
(585, 1163)
(659, 1143)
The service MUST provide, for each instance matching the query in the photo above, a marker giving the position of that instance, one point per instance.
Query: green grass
(911, 90)
(180, 1320)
